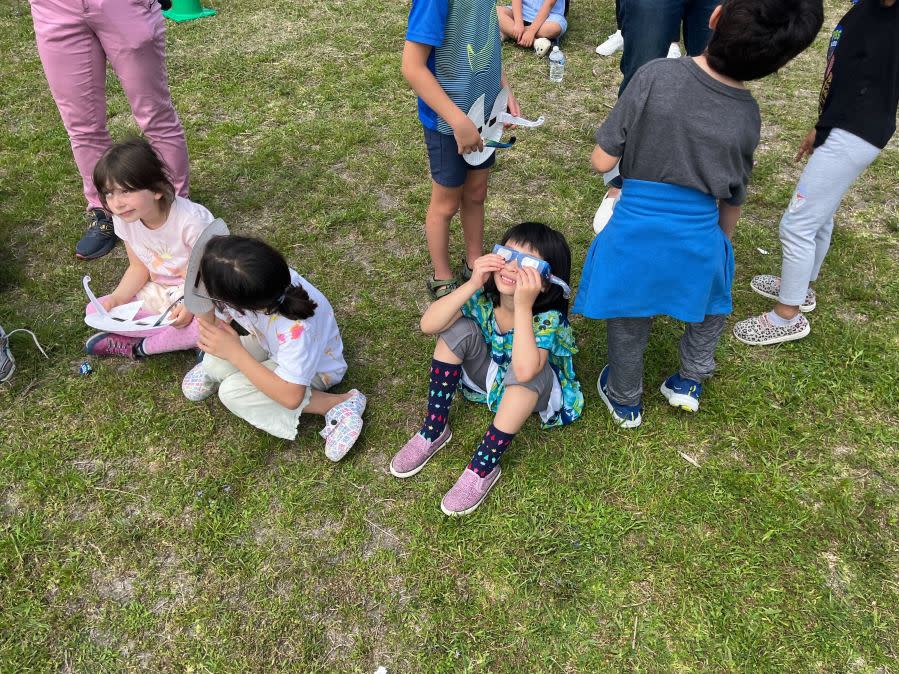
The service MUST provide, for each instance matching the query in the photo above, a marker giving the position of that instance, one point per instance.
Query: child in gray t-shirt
(684, 132)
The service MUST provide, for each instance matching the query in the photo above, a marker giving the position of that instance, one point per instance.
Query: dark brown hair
(133, 164)
(249, 275)
(552, 247)
(754, 38)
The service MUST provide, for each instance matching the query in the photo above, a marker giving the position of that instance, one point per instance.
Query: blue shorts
(552, 18)
(448, 168)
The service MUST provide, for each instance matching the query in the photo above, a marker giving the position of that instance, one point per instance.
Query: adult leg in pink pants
(151, 341)
(75, 38)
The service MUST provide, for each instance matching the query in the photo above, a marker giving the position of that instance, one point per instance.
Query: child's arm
(807, 146)
(221, 340)
(134, 278)
(444, 312)
(512, 103)
(423, 82)
(527, 38)
(208, 317)
(727, 218)
(180, 316)
(527, 359)
(602, 161)
(517, 17)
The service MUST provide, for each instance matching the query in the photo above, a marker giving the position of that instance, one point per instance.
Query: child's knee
(230, 392)
(216, 368)
(475, 194)
(444, 205)
(462, 337)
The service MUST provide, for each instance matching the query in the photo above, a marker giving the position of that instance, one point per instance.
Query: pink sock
(172, 339)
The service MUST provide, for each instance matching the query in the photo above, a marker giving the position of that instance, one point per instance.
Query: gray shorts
(464, 339)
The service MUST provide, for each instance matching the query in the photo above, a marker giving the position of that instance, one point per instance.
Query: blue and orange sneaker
(682, 393)
(626, 416)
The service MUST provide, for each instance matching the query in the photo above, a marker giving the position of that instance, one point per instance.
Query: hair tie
(280, 299)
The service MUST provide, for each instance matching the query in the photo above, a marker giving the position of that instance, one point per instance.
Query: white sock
(779, 322)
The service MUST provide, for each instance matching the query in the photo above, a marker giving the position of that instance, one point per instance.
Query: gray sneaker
(7, 362)
(768, 286)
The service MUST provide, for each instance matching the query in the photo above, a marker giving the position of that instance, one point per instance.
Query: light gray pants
(627, 339)
(807, 224)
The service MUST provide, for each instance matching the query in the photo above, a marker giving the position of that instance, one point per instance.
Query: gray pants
(464, 339)
(807, 224)
(627, 339)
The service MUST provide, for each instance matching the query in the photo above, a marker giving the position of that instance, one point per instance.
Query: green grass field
(142, 532)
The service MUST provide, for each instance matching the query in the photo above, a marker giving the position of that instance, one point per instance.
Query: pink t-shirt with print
(165, 251)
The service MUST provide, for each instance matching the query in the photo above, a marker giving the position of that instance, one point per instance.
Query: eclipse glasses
(540, 266)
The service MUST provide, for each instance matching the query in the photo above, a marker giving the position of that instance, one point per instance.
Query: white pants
(241, 396)
(807, 224)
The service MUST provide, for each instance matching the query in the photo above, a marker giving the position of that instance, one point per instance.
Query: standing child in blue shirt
(451, 58)
(685, 131)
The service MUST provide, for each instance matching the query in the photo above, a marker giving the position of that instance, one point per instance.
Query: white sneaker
(674, 51)
(197, 385)
(604, 212)
(615, 42)
(7, 362)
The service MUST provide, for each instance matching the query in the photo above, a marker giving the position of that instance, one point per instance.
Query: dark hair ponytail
(250, 275)
(296, 304)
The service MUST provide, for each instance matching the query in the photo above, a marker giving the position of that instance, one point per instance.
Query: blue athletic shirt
(465, 57)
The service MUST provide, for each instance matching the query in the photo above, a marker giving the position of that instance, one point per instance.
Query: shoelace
(33, 336)
(121, 348)
(103, 224)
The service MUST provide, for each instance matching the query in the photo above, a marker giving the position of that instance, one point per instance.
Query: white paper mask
(491, 128)
(121, 319)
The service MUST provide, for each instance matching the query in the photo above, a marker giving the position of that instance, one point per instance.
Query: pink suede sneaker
(108, 344)
(468, 492)
(417, 452)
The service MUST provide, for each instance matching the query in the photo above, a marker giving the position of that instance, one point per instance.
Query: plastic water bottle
(556, 65)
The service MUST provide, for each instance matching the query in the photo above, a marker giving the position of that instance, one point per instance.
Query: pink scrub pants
(75, 38)
(161, 341)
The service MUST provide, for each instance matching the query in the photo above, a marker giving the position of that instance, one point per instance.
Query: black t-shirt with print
(861, 83)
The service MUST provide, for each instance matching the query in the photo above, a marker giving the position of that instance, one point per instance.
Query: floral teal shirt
(553, 333)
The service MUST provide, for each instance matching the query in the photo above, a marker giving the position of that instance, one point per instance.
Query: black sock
(444, 379)
(488, 453)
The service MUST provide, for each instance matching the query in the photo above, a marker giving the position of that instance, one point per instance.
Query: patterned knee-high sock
(444, 379)
(488, 453)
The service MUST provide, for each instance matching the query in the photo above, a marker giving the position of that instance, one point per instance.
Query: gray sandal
(442, 287)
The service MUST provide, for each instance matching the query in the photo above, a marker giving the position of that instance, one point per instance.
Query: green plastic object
(187, 10)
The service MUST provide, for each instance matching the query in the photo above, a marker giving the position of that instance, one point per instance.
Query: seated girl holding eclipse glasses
(505, 335)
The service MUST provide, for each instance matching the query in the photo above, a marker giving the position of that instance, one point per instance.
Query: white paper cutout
(121, 319)
(491, 129)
